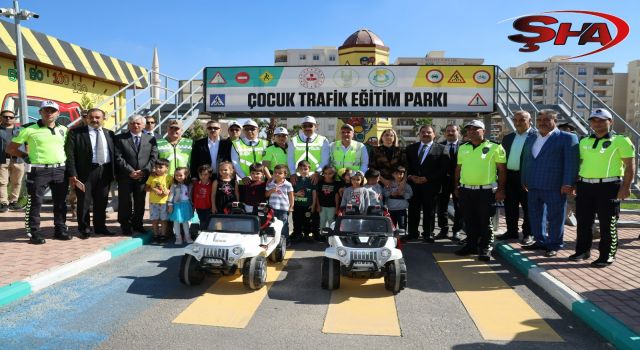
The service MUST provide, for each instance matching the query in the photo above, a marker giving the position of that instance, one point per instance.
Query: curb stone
(20, 289)
(606, 325)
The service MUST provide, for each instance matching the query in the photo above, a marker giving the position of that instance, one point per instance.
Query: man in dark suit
(516, 195)
(91, 168)
(209, 151)
(549, 172)
(427, 167)
(451, 145)
(136, 153)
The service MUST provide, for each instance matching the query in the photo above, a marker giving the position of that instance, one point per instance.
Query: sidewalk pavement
(25, 268)
(614, 290)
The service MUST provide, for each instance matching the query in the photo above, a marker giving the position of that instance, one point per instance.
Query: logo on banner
(217, 79)
(345, 77)
(216, 100)
(476, 101)
(311, 78)
(434, 76)
(242, 77)
(457, 78)
(588, 32)
(481, 77)
(381, 77)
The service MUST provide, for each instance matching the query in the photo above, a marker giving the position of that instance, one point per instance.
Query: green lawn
(630, 205)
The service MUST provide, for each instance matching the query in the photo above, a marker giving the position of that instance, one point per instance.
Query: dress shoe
(507, 235)
(579, 256)
(105, 231)
(600, 263)
(36, 239)
(464, 251)
(534, 246)
(429, 238)
(462, 242)
(63, 236)
(550, 253)
(527, 240)
(443, 233)
(140, 229)
(456, 237)
(486, 257)
(408, 237)
(86, 233)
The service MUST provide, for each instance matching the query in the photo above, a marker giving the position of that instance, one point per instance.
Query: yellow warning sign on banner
(454, 76)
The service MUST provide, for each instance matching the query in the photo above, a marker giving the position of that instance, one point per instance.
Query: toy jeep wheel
(190, 272)
(278, 254)
(395, 276)
(330, 273)
(254, 272)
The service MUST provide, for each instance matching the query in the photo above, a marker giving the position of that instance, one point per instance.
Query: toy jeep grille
(220, 253)
(363, 255)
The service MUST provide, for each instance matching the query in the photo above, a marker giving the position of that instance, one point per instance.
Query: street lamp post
(20, 15)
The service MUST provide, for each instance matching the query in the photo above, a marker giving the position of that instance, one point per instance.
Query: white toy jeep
(235, 241)
(363, 246)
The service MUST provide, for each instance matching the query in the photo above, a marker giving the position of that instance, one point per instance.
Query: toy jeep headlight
(385, 253)
(195, 248)
(237, 251)
(341, 252)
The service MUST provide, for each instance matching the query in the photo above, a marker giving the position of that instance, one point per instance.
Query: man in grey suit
(513, 144)
(549, 171)
(136, 153)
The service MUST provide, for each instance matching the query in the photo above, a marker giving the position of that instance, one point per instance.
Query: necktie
(100, 158)
(306, 154)
(423, 148)
(452, 150)
(136, 142)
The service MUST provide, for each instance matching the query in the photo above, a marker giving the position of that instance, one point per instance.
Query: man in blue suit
(549, 169)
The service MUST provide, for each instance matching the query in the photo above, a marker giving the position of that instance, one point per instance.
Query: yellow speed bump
(497, 310)
(362, 306)
(227, 303)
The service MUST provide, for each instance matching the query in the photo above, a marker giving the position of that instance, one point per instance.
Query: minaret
(155, 77)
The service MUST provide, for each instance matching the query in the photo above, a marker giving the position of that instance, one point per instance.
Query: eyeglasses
(213, 128)
(250, 128)
(174, 128)
(234, 130)
(8, 117)
(149, 123)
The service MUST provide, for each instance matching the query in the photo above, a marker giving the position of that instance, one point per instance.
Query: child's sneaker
(187, 238)
(178, 240)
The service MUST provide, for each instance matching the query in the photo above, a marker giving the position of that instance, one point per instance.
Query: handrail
(509, 94)
(155, 110)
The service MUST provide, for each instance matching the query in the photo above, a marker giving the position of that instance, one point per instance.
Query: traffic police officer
(276, 153)
(175, 148)
(248, 149)
(309, 146)
(348, 153)
(480, 163)
(606, 171)
(45, 167)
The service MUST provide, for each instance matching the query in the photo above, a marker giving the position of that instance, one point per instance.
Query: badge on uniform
(605, 145)
(484, 152)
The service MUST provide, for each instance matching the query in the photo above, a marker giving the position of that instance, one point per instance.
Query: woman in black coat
(387, 156)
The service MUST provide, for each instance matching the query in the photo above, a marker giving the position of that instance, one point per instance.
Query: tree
(420, 122)
(196, 131)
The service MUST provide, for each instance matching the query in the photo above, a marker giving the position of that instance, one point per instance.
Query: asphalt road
(130, 303)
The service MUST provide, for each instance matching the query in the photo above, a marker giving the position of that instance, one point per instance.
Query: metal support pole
(22, 89)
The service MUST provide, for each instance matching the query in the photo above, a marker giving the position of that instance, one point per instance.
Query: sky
(191, 34)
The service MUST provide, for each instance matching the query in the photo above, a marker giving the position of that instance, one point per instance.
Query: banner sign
(349, 89)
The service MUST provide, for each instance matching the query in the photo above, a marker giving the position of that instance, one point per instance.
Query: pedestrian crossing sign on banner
(217, 100)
